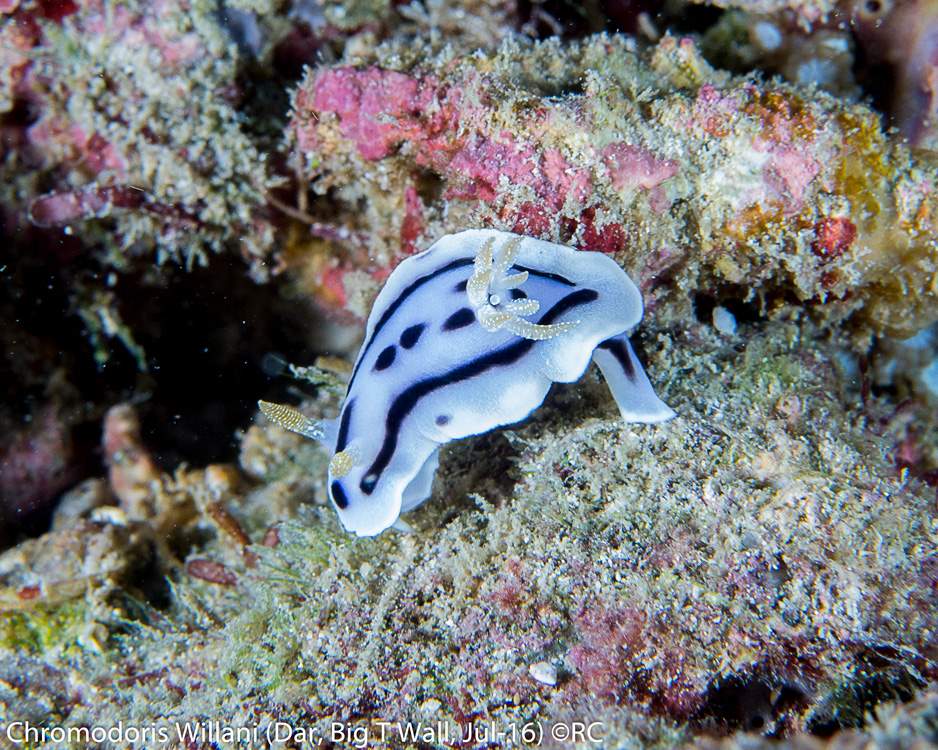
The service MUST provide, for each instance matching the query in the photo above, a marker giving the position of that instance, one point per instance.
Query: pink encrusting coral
(57, 138)
(632, 168)
(377, 109)
(380, 110)
(737, 180)
(790, 173)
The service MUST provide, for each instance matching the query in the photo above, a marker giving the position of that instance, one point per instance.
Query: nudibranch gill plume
(465, 337)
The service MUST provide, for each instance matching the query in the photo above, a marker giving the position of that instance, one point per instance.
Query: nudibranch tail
(294, 420)
(630, 387)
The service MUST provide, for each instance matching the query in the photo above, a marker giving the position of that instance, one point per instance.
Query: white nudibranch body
(465, 337)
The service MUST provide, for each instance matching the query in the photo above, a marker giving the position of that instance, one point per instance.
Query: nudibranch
(465, 337)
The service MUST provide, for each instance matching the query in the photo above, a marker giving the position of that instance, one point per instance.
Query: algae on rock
(763, 536)
(696, 181)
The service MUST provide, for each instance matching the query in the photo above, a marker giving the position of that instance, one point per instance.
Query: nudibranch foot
(420, 487)
(450, 352)
(631, 389)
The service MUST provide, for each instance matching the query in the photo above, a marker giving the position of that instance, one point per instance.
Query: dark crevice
(878, 677)
(729, 299)
(482, 465)
(208, 337)
(876, 78)
(754, 703)
(429, 186)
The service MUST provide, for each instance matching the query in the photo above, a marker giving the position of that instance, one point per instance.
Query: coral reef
(197, 194)
(761, 546)
(692, 180)
(889, 44)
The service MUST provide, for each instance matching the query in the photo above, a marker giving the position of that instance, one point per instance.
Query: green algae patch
(43, 630)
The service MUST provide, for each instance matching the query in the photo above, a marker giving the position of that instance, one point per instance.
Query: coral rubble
(135, 122)
(693, 180)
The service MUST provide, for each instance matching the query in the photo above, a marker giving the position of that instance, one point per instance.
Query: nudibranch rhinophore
(464, 337)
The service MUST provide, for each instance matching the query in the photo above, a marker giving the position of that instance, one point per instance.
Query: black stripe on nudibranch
(544, 275)
(412, 335)
(344, 423)
(518, 294)
(386, 358)
(461, 285)
(459, 319)
(338, 495)
(574, 299)
(621, 352)
(410, 397)
(399, 300)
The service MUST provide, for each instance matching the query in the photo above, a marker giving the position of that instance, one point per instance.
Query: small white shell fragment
(544, 673)
(110, 514)
(767, 35)
(724, 321)
(430, 706)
